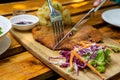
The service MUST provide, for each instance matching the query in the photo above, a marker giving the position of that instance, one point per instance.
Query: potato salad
(44, 12)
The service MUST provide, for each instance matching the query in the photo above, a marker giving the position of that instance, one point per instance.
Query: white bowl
(6, 25)
(18, 22)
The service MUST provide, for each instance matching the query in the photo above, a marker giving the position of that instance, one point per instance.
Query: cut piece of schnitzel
(45, 36)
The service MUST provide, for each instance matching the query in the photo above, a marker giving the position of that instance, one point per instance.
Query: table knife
(84, 19)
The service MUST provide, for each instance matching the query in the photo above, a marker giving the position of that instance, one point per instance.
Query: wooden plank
(8, 8)
(23, 66)
(95, 19)
(34, 5)
(20, 40)
(44, 53)
(60, 79)
(76, 9)
(83, 7)
(111, 31)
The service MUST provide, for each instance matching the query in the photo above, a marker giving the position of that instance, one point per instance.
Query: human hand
(96, 2)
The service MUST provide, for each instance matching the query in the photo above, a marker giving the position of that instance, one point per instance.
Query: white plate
(112, 16)
(4, 44)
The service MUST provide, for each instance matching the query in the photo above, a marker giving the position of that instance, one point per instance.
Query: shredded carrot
(89, 65)
(83, 44)
(71, 59)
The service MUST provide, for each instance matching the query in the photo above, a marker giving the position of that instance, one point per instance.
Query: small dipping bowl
(24, 22)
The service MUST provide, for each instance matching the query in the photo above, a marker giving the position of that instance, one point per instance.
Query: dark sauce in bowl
(24, 23)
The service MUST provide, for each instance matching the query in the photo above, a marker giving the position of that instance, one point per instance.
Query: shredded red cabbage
(91, 51)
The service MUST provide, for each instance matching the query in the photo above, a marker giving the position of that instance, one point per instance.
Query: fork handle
(50, 5)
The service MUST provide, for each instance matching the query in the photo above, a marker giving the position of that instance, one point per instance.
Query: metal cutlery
(57, 23)
(82, 21)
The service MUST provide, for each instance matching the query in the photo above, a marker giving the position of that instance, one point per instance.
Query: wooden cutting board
(43, 53)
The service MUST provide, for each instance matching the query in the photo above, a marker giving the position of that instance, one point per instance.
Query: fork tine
(62, 28)
(59, 30)
(54, 31)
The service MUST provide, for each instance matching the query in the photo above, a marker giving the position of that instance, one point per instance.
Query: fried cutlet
(45, 36)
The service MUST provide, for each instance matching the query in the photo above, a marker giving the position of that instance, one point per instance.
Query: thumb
(96, 2)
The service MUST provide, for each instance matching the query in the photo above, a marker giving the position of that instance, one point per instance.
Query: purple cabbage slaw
(87, 53)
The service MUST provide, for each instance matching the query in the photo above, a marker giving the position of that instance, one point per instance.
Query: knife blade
(84, 19)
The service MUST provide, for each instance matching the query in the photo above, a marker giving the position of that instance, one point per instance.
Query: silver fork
(57, 23)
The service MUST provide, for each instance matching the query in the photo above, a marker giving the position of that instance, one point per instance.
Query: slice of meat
(45, 36)
(86, 33)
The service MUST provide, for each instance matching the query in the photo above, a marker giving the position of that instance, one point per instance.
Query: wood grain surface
(77, 9)
(22, 67)
(43, 53)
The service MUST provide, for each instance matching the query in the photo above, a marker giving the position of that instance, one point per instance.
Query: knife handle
(98, 7)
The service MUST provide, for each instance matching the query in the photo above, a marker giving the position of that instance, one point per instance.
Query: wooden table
(17, 63)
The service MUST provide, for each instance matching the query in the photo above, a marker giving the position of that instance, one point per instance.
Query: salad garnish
(1, 31)
(85, 54)
(114, 48)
